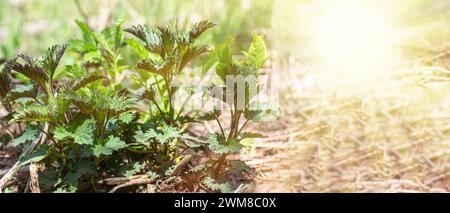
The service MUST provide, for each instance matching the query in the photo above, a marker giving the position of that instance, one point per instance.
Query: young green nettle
(238, 91)
(48, 108)
(86, 119)
(101, 51)
(166, 52)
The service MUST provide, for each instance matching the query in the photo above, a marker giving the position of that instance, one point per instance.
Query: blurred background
(364, 84)
(33, 25)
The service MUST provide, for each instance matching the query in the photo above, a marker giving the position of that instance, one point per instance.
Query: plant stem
(219, 165)
(221, 128)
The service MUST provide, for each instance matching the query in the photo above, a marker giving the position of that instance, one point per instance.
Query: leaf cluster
(96, 125)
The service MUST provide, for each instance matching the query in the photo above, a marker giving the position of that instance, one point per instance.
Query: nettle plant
(76, 120)
(238, 90)
(165, 52)
(90, 118)
(101, 52)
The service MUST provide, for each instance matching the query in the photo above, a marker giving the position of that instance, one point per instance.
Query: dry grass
(393, 140)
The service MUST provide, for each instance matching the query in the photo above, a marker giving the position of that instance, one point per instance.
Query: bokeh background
(364, 84)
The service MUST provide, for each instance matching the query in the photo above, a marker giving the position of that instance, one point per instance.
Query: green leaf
(88, 35)
(66, 189)
(261, 112)
(152, 37)
(222, 54)
(92, 57)
(29, 91)
(127, 118)
(30, 69)
(210, 115)
(81, 167)
(99, 150)
(137, 167)
(72, 71)
(72, 178)
(114, 33)
(256, 54)
(36, 113)
(152, 175)
(199, 28)
(76, 84)
(49, 179)
(167, 133)
(143, 138)
(246, 142)
(30, 134)
(52, 57)
(113, 144)
(102, 103)
(159, 68)
(137, 47)
(216, 145)
(82, 134)
(8, 190)
(191, 54)
(85, 166)
(60, 133)
(36, 156)
(221, 187)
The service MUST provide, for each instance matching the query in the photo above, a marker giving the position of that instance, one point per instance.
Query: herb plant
(88, 114)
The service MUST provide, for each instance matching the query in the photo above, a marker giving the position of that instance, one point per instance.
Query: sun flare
(354, 41)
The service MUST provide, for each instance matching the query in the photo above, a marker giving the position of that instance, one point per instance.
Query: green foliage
(256, 55)
(29, 91)
(101, 51)
(41, 71)
(36, 156)
(111, 145)
(224, 143)
(137, 167)
(34, 113)
(96, 125)
(82, 134)
(30, 134)
(170, 50)
(214, 143)
(218, 187)
(166, 134)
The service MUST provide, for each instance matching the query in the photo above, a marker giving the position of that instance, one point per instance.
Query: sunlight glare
(354, 40)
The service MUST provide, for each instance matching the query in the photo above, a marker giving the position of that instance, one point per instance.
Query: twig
(119, 180)
(34, 183)
(180, 166)
(133, 182)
